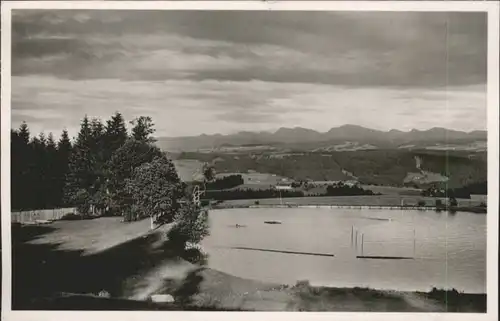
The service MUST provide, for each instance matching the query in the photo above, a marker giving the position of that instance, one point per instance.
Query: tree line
(39, 166)
(225, 182)
(339, 189)
(480, 188)
(98, 172)
(223, 195)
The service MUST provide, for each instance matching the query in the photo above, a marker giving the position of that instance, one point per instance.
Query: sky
(222, 72)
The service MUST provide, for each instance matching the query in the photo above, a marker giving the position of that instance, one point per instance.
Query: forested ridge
(374, 167)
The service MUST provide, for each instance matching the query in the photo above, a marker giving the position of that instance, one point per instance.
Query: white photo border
(491, 7)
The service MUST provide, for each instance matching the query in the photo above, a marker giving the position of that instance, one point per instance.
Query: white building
(283, 187)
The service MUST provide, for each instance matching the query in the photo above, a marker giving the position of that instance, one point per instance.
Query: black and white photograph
(249, 160)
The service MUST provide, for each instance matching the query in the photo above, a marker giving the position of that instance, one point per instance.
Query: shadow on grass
(42, 271)
(456, 301)
(29, 233)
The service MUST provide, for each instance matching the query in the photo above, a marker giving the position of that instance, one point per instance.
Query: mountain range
(298, 136)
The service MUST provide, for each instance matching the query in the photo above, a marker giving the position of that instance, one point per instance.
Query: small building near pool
(283, 187)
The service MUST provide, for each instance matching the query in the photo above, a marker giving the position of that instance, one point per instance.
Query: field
(379, 200)
(425, 178)
(371, 167)
(257, 180)
(187, 168)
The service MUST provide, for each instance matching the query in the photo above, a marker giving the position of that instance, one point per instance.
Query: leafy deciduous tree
(121, 167)
(156, 190)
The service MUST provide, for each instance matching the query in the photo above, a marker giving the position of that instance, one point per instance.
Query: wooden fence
(26, 217)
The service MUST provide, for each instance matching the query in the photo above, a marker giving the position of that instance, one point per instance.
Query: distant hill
(308, 139)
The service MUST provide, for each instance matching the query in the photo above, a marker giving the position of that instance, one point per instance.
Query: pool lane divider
(384, 257)
(281, 251)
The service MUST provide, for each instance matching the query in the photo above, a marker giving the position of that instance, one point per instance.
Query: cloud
(353, 49)
(186, 107)
(208, 72)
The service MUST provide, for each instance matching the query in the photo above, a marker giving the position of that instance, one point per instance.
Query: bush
(341, 189)
(177, 238)
(421, 203)
(191, 225)
(195, 256)
(82, 199)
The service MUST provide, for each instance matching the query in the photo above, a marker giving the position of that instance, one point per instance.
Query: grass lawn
(92, 235)
(225, 292)
(81, 256)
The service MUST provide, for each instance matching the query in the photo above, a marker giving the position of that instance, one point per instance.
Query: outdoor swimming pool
(447, 250)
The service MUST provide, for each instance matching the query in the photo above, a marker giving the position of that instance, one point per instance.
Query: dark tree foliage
(480, 188)
(250, 194)
(89, 173)
(341, 189)
(38, 172)
(191, 225)
(156, 190)
(121, 166)
(226, 182)
(20, 170)
(64, 148)
(142, 129)
(332, 190)
(82, 176)
(115, 134)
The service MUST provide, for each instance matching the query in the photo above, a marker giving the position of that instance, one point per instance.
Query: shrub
(191, 225)
(421, 203)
